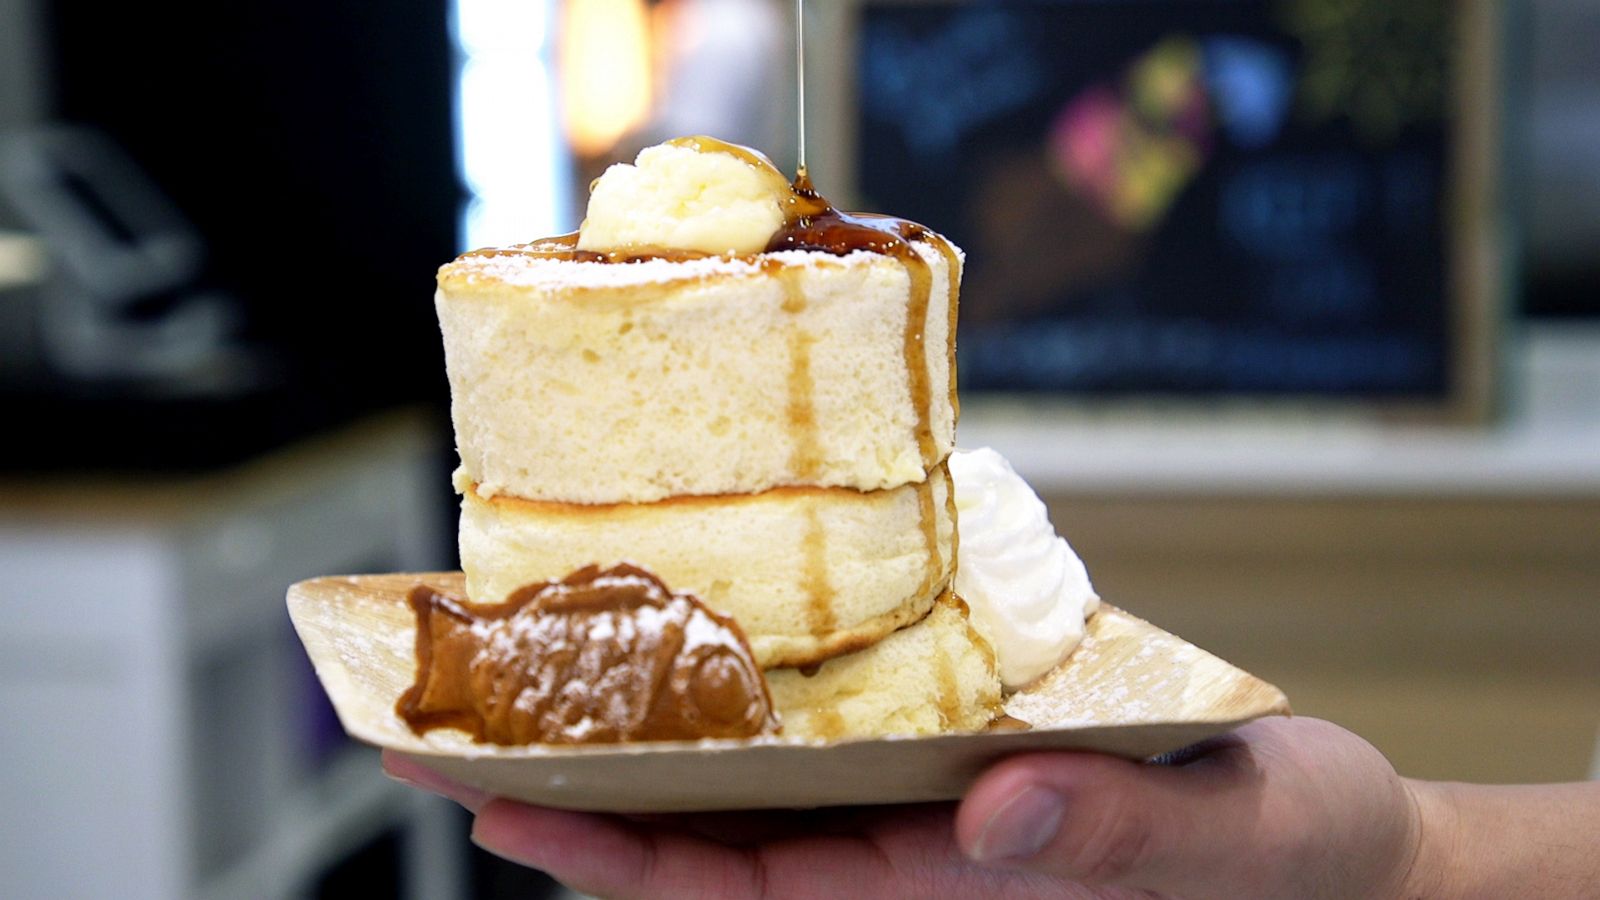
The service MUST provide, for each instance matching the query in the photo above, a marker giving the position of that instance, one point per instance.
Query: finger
(745, 829)
(411, 771)
(611, 857)
(904, 852)
(1101, 820)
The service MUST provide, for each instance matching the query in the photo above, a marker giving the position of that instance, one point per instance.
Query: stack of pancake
(768, 432)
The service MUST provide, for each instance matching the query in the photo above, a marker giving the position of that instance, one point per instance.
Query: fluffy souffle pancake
(594, 382)
(808, 572)
(748, 394)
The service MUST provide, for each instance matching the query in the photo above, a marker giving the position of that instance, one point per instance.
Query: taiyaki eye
(721, 687)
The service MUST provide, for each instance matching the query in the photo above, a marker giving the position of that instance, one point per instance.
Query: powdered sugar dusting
(358, 646)
(600, 656)
(526, 270)
(1113, 678)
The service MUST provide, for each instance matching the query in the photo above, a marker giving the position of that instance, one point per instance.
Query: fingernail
(487, 845)
(1021, 827)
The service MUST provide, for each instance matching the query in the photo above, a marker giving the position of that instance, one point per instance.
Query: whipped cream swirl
(1029, 593)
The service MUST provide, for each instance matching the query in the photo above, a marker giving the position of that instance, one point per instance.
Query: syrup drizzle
(829, 724)
(805, 459)
(819, 590)
(815, 224)
(1004, 723)
(950, 511)
(930, 536)
(949, 689)
(953, 287)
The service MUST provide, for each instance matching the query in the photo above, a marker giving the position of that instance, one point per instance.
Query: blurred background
(1290, 308)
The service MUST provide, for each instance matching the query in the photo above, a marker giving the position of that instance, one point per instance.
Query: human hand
(1281, 808)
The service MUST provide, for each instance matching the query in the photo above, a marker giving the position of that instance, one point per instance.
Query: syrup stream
(800, 83)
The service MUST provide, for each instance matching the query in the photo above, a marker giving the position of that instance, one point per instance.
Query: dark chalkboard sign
(1195, 198)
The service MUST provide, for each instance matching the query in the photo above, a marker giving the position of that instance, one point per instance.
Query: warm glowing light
(604, 66)
(513, 161)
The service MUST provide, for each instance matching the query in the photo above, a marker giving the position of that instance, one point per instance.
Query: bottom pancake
(937, 675)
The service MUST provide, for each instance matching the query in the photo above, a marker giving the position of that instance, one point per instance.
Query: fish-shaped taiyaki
(597, 657)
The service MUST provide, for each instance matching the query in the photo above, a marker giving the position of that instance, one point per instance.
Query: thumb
(1100, 820)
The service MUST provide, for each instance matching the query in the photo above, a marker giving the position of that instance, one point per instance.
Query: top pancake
(599, 382)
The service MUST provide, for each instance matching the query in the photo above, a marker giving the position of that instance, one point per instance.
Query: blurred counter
(170, 739)
(1437, 590)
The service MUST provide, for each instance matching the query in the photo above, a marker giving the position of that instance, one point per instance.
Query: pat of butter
(692, 194)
